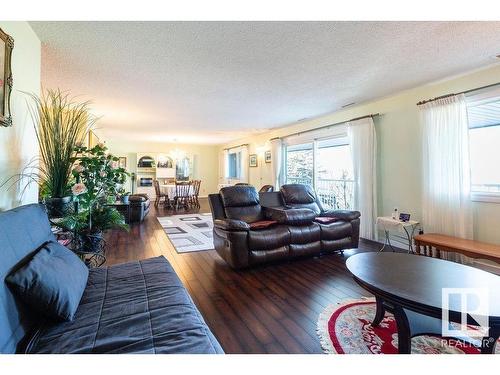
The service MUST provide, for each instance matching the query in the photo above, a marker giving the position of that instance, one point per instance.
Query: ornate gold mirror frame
(6, 47)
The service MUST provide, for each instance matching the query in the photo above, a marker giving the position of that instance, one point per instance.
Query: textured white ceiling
(210, 82)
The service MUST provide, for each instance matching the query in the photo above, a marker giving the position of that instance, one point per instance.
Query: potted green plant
(98, 178)
(123, 195)
(60, 124)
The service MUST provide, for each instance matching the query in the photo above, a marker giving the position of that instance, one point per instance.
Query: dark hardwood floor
(269, 309)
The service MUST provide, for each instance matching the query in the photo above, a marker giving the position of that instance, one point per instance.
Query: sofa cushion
(52, 282)
(304, 234)
(22, 231)
(270, 238)
(241, 203)
(239, 196)
(137, 307)
(300, 196)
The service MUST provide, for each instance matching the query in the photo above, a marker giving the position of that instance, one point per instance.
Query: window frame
(285, 175)
(339, 137)
(238, 165)
(476, 99)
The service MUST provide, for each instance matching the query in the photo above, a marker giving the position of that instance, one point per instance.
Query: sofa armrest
(344, 215)
(137, 198)
(231, 225)
(292, 216)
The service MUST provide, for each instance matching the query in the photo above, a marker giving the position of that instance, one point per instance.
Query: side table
(388, 224)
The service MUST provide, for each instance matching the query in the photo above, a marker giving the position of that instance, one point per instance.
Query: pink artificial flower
(113, 164)
(101, 145)
(102, 174)
(79, 168)
(78, 189)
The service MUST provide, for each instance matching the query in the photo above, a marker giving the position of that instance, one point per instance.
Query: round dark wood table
(412, 288)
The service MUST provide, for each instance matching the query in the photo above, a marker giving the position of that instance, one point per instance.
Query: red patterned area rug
(346, 329)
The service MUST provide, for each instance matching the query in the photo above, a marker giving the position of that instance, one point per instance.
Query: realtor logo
(472, 302)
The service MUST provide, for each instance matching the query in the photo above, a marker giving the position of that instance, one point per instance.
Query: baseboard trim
(380, 244)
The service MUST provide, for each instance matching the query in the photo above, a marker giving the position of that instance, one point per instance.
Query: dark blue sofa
(137, 307)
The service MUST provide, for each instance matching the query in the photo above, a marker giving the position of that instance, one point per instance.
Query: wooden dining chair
(182, 194)
(195, 193)
(159, 194)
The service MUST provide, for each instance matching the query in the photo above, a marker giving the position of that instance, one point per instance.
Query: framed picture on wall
(122, 162)
(252, 160)
(6, 46)
(267, 156)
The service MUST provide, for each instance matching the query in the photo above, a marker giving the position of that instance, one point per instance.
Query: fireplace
(146, 181)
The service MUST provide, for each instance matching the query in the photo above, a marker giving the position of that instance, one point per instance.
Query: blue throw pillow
(52, 282)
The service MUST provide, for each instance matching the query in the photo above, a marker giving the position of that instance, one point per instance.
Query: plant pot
(58, 207)
(91, 242)
(125, 199)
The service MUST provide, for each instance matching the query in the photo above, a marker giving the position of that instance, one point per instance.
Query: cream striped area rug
(190, 232)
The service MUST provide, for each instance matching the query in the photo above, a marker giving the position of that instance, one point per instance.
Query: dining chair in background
(195, 194)
(182, 194)
(159, 194)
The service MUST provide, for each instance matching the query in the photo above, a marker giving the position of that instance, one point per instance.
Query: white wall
(399, 148)
(205, 158)
(18, 144)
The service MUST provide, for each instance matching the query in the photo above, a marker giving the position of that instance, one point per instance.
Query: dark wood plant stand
(92, 259)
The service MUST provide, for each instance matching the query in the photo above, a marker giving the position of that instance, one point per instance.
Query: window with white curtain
(483, 111)
(325, 163)
(234, 165)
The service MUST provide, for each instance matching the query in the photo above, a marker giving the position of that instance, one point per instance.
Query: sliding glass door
(326, 164)
(334, 173)
(300, 164)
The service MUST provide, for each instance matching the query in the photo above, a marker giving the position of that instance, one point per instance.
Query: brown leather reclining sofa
(252, 228)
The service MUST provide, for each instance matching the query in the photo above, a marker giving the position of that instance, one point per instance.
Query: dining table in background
(169, 190)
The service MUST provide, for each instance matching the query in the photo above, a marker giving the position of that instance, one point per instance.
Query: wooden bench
(424, 243)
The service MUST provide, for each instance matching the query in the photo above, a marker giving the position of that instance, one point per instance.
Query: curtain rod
(230, 148)
(325, 126)
(458, 93)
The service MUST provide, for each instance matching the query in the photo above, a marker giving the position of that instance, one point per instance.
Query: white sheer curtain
(276, 162)
(224, 167)
(446, 205)
(243, 163)
(363, 144)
